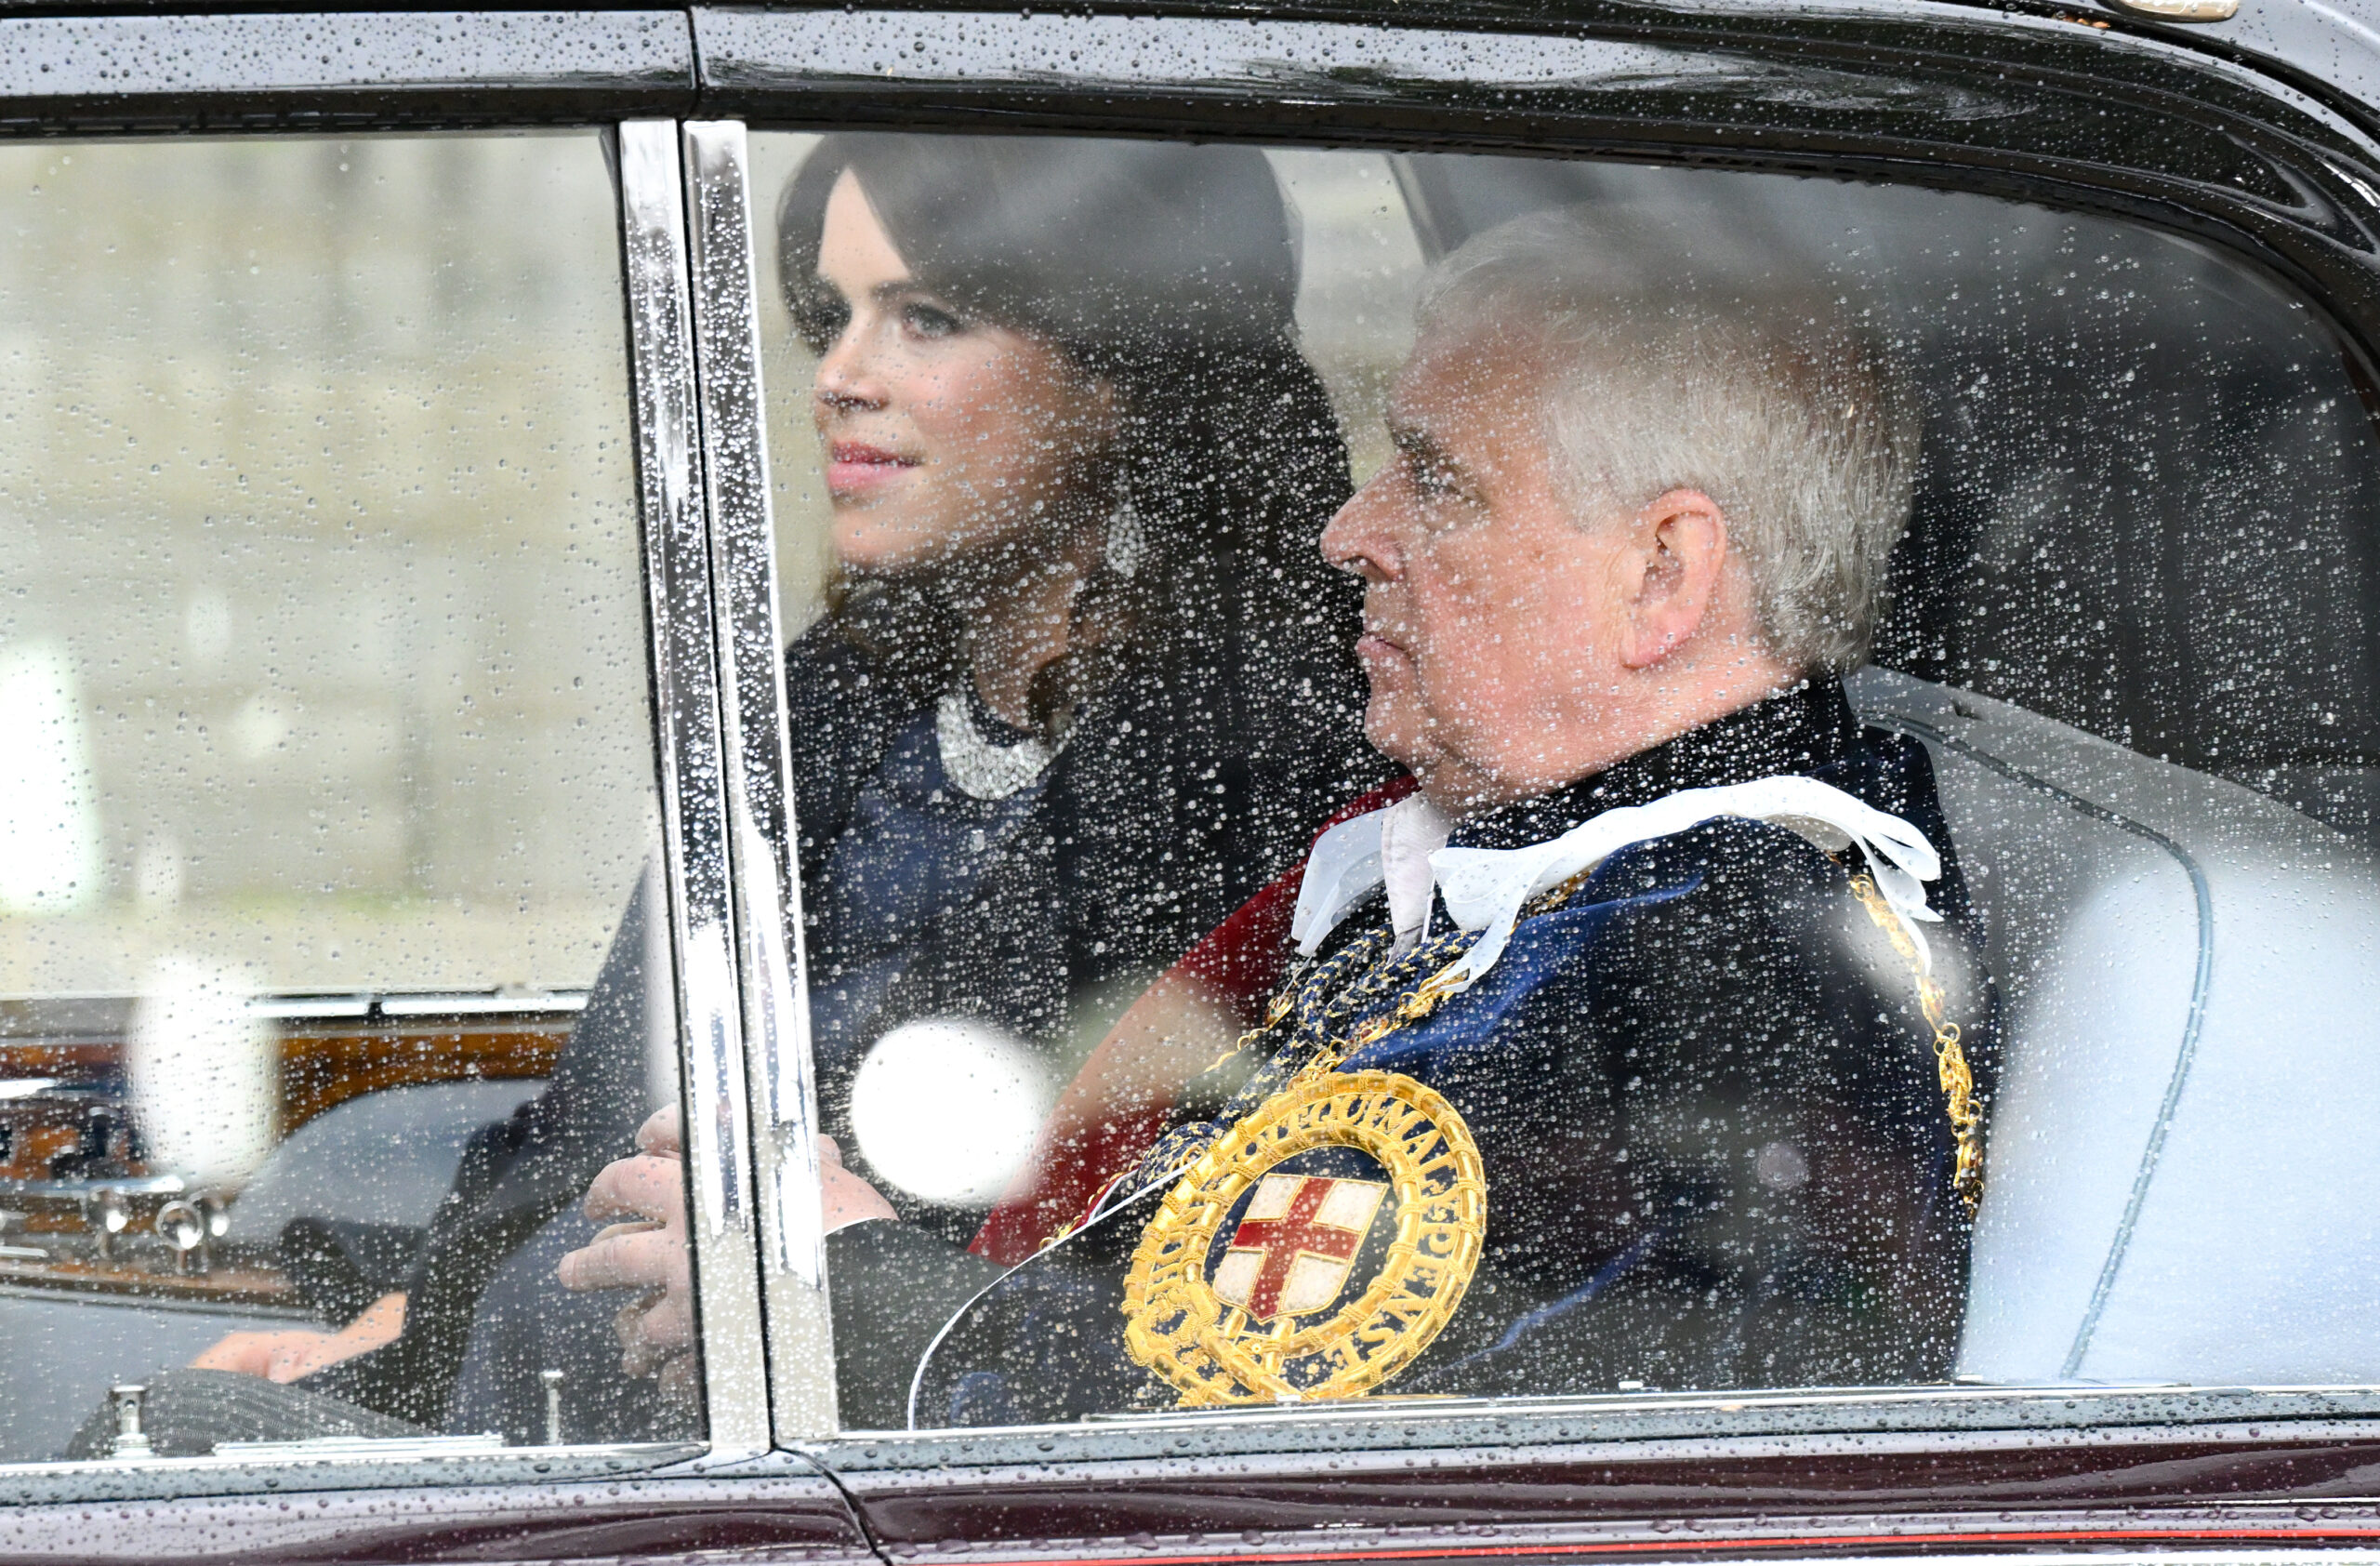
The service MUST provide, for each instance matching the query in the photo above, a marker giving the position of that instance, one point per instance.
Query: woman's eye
(930, 321)
(822, 321)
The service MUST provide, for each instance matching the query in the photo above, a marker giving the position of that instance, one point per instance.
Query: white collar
(1484, 888)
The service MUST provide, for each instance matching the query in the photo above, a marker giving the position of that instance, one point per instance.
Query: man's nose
(1362, 538)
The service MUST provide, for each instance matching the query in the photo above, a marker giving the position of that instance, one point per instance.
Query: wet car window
(331, 971)
(1425, 775)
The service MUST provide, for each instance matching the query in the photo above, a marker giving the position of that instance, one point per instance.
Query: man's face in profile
(1485, 604)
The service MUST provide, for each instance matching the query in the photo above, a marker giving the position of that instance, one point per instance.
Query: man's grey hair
(1742, 376)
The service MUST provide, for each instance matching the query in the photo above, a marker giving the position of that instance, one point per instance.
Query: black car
(529, 548)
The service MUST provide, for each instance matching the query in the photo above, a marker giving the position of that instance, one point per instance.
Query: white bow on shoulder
(1484, 888)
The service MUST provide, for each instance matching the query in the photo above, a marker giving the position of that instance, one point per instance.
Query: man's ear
(1681, 538)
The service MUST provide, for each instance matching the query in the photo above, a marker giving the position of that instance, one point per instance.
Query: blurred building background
(321, 647)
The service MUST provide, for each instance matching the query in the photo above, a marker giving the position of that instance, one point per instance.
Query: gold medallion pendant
(1357, 1206)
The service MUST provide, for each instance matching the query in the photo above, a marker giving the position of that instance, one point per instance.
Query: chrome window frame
(765, 873)
(676, 501)
(334, 70)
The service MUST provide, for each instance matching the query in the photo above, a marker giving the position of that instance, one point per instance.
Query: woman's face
(948, 439)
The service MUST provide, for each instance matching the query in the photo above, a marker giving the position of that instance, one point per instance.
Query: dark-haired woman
(1086, 683)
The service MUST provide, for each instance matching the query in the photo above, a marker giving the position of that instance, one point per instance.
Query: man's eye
(929, 321)
(1430, 480)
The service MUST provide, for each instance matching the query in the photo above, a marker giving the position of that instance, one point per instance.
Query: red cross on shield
(1295, 1242)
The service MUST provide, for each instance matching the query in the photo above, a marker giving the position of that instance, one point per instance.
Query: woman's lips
(853, 469)
(1371, 645)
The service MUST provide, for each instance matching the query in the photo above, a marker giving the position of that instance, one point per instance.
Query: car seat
(2179, 1159)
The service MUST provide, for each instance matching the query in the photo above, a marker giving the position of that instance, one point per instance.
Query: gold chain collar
(1957, 1077)
(1949, 1055)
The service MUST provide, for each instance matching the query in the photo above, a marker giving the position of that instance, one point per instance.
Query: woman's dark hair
(1170, 273)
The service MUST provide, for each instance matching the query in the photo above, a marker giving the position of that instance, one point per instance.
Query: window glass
(1425, 775)
(330, 969)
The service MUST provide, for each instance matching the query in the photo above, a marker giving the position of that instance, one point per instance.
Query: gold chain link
(1442, 986)
(1950, 1057)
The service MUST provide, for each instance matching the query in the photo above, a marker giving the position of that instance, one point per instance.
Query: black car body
(2254, 137)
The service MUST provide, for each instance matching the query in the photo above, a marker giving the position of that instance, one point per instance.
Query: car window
(1281, 924)
(333, 962)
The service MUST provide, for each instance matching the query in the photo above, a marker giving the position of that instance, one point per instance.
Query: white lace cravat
(1484, 888)
(1411, 830)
